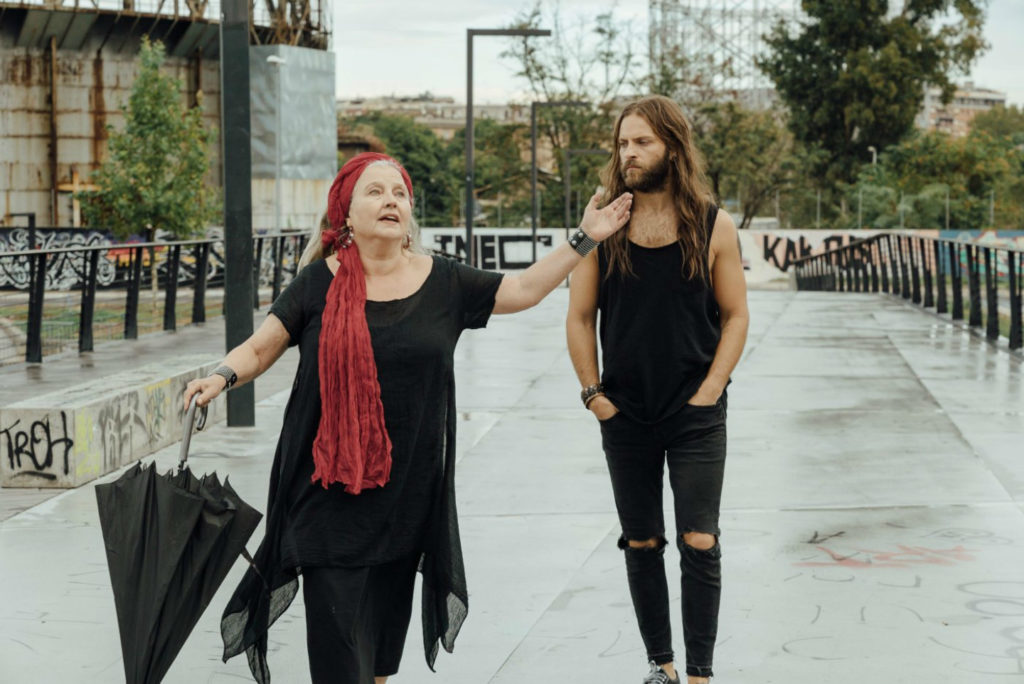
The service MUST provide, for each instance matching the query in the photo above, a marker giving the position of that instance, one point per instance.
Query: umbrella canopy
(170, 540)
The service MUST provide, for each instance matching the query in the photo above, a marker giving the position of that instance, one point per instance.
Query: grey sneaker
(658, 676)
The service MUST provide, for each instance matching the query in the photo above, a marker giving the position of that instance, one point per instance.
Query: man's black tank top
(659, 330)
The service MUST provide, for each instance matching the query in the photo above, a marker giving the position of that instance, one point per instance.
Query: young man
(672, 297)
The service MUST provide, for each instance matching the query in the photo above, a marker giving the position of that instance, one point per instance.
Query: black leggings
(357, 619)
(692, 442)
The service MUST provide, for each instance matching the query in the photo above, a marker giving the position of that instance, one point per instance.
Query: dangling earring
(407, 243)
(345, 238)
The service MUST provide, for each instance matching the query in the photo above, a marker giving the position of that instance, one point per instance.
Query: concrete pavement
(873, 517)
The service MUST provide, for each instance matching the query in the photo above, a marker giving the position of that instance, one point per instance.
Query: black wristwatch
(230, 377)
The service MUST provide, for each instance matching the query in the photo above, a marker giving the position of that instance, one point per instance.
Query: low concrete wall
(67, 438)
(768, 253)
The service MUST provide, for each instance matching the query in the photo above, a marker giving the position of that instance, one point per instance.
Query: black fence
(933, 272)
(49, 295)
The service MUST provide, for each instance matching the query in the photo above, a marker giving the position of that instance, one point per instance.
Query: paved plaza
(872, 525)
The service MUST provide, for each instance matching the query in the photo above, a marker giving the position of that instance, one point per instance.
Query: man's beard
(649, 180)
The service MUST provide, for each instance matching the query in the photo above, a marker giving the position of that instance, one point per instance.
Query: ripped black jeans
(692, 442)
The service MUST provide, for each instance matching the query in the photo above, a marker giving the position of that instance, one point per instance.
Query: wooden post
(74, 187)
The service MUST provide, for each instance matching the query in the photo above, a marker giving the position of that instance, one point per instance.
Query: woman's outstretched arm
(526, 289)
(248, 360)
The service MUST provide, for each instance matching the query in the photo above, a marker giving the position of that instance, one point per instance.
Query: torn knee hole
(652, 544)
(701, 541)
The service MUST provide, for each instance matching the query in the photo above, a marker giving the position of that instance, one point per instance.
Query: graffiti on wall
(39, 448)
(986, 238)
(66, 271)
(69, 446)
(498, 249)
(780, 250)
(63, 271)
(114, 425)
(769, 254)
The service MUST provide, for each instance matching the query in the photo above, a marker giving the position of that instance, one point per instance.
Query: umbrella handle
(191, 420)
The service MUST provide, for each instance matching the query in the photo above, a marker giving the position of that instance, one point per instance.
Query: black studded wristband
(582, 243)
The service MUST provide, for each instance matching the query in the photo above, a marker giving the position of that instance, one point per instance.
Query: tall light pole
(236, 133)
(278, 62)
(470, 205)
(569, 154)
(947, 207)
(534, 211)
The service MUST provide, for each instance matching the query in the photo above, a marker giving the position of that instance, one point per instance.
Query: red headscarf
(352, 444)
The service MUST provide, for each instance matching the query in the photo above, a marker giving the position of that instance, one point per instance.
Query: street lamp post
(236, 134)
(534, 211)
(278, 62)
(470, 34)
(860, 191)
(947, 207)
(569, 154)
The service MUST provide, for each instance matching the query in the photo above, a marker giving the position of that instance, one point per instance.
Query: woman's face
(381, 207)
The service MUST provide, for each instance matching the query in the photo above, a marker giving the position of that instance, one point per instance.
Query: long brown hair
(691, 192)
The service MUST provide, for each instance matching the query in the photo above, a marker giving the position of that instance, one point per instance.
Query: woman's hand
(207, 388)
(602, 407)
(600, 224)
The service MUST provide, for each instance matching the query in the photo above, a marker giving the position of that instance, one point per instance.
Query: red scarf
(352, 444)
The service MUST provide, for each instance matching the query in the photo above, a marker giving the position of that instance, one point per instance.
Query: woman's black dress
(413, 343)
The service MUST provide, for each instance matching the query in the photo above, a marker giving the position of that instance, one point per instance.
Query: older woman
(362, 486)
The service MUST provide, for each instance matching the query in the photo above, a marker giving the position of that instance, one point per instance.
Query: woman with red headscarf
(362, 486)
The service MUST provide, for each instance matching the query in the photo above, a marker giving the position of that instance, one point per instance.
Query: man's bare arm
(581, 330)
(730, 288)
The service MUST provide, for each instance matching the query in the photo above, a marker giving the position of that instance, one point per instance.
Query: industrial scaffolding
(299, 23)
(723, 38)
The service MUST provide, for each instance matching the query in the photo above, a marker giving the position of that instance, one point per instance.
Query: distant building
(442, 115)
(956, 117)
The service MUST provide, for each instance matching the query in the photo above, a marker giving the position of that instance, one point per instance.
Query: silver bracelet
(582, 243)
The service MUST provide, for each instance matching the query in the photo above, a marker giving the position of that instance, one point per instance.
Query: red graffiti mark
(905, 556)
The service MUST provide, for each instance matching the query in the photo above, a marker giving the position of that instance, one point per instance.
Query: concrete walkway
(873, 518)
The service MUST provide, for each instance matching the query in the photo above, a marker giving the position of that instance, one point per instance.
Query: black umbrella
(170, 539)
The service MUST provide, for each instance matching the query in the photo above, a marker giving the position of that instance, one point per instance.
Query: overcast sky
(406, 47)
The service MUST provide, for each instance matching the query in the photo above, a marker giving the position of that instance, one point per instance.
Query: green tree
(916, 174)
(152, 178)
(749, 154)
(589, 58)
(502, 175)
(1001, 122)
(853, 76)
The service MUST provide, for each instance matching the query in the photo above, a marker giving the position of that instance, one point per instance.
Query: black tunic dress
(413, 343)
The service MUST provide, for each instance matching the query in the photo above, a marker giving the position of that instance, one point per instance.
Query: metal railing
(918, 267)
(39, 288)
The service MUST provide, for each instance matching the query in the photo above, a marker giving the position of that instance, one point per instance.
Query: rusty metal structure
(67, 65)
(723, 36)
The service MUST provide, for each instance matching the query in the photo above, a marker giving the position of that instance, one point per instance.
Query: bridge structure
(873, 509)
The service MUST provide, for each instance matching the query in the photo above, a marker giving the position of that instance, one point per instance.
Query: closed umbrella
(170, 541)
